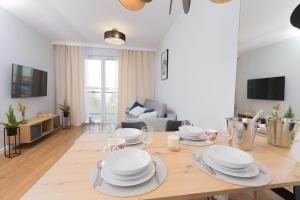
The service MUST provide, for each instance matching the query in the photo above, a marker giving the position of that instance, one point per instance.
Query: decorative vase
(24, 121)
(66, 114)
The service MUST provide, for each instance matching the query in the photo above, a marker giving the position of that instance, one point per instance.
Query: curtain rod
(102, 46)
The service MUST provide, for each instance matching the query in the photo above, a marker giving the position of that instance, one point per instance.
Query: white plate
(133, 142)
(192, 138)
(128, 133)
(128, 161)
(251, 171)
(125, 181)
(230, 157)
(230, 169)
(137, 139)
(191, 131)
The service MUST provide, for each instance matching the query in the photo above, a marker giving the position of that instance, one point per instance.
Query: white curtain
(136, 78)
(69, 64)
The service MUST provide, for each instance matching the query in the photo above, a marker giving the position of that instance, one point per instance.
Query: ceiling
(85, 21)
(263, 22)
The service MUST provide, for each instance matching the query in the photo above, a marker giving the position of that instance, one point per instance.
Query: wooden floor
(18, 174)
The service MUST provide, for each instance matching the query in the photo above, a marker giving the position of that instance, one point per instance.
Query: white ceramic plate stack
(192, 133)
(132, 136)
(231, 161)
(128, 167)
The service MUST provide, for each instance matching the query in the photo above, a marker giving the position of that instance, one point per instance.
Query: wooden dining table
(68, 178)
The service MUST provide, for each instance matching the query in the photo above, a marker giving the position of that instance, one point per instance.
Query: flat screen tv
(28, 82)
(266, 88)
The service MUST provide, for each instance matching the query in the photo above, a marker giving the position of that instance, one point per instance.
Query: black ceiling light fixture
(115, 37)
(295, 17)
(186, 6)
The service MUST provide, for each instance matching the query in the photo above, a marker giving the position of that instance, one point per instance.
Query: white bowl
(191, 131)
(128, 133)
(230, 157)
(128, 161)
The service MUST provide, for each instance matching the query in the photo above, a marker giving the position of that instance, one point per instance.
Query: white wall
(281, 59)
(103, 53)
(202, 63)
(21, 45)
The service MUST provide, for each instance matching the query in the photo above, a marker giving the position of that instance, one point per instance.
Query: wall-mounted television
(28, 82)
(266, 88)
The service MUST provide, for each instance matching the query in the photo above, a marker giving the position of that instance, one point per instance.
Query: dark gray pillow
(161, 108)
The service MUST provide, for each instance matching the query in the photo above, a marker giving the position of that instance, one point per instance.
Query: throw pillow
(148, 110)
(137, 111)
(136, 104)
(148, 115)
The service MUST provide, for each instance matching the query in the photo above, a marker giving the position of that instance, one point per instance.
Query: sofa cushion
(161, 108)
(148, 115)
(135, 104)
(148, 110)
(137, 111)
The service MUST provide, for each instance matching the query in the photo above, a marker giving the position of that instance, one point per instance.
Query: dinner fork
(155, 173)
(97, 181)
(209, 169)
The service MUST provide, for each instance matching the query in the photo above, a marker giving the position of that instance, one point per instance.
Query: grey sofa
(159, 123)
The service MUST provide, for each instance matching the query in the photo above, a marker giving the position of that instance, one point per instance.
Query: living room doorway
(101, 91)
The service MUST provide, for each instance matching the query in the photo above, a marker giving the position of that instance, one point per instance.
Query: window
(101, 90)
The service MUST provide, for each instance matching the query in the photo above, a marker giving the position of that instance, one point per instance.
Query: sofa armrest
(171, 116)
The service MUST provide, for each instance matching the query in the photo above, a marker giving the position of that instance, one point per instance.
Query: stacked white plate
(132, 136)
(230, 161)
(192, 133)
(128, 167)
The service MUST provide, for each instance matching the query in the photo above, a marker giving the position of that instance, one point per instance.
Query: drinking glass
(109, 128)
(145, 131)
(185, 123)
(114, 144)
(227, 135)
(210, 135)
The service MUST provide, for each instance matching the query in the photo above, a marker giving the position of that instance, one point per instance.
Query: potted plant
(22, 109)
(65, 108)
(12, 124)
(289, 115)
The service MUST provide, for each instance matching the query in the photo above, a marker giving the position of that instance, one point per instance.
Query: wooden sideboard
(38, 127)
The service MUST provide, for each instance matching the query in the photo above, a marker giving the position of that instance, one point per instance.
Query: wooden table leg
(256, 195)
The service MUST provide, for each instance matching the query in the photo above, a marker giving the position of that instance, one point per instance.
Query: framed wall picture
(164, 64)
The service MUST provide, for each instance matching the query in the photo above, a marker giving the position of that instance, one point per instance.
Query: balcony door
(101, 90)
